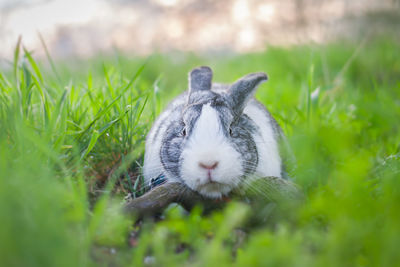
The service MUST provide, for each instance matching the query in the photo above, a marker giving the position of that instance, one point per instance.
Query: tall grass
(71, 137)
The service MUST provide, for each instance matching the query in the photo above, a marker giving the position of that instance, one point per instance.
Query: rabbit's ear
(243, 89)
(200, 79)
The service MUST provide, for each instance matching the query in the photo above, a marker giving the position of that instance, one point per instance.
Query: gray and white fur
(214, 137)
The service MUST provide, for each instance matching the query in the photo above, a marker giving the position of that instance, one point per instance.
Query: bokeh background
(83, 28)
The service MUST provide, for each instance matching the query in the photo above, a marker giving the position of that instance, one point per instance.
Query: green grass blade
(92, 142)
(48, 56)
(109, 106)
(33, 64)
(16, 59)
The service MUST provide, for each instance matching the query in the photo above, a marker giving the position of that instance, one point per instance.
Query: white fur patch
(269, 161)
(207, 145)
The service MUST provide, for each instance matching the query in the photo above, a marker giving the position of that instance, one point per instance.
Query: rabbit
(214, 137)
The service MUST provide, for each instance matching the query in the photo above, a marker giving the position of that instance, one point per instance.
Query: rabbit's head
(210, 144)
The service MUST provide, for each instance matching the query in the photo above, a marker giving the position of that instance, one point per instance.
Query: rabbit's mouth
(214, 189)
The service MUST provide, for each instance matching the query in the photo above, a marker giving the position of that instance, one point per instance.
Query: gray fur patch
(242, 130)
(242, 90)
(200, 79)
(171, 147)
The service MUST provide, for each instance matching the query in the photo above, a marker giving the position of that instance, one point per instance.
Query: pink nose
(209, 166)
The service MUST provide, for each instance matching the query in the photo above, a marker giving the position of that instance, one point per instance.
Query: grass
(72, 140)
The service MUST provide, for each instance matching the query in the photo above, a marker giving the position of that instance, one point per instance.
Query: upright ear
(243, 89)
(200, 79)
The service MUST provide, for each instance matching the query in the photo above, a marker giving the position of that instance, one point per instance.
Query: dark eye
(183, 133)
(230, 131)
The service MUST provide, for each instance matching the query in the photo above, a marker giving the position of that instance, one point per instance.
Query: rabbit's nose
(209, 166)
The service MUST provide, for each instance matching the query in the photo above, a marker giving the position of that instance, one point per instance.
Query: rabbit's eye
(183, 133)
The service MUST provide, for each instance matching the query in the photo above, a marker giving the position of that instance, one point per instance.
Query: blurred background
(82, 28)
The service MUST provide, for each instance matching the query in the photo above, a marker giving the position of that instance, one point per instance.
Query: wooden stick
(264, 189)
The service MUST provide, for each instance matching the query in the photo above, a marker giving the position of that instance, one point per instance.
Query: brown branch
(266, 189)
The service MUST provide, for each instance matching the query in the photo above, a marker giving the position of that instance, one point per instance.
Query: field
(72, 140)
